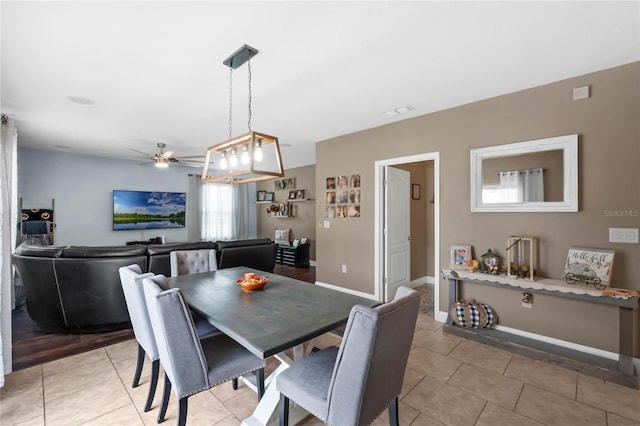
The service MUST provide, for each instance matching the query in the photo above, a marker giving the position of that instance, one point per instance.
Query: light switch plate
(623, 235)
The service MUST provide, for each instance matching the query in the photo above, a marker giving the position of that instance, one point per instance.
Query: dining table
(270, 322)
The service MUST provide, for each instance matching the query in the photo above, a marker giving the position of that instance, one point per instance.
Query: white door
(397, 228)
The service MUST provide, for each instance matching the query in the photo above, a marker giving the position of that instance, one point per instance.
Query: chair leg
(165, 399)
(260, 382)
(393, 412)
(284, 410)
(155, 370)
(136, 377)
(182, 411)
(234, 383)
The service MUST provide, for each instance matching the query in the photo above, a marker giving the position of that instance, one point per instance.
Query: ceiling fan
(163, 158)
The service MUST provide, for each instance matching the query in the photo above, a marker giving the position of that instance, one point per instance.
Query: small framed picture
(296, 243)
(292, 194)
(300, 194)
(459, 254)
(261, 195)
(415, 191)
(331, 183)
(304, 240)
(268, 196)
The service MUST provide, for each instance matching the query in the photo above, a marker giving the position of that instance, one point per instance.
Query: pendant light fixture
(250, 157)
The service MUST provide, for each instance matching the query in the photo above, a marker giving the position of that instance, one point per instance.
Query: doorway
(432, 250)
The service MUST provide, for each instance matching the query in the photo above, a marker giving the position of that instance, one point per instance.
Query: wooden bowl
(252, 286)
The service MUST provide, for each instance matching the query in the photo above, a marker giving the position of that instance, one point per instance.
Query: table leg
(266, 412)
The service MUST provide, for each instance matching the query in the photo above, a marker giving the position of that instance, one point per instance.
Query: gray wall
(83, 190)
(609, 150)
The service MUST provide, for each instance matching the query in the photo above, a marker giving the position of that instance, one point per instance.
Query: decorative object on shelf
(300, 194)
(282, 184)
(261, 195)
(490, 263)
(473, 265)
(269, 196)
(292, 194)
(459, 255)
(304, 240)
(282, 237)
(472, 314)
(522, 257)
(591, 266)
(415, 191)
(259, 154)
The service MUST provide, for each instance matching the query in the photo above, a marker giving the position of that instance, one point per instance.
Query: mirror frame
(569, 146)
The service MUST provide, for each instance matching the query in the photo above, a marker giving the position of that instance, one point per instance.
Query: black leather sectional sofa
(77, 289)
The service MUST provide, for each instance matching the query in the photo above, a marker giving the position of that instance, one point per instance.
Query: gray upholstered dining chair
(187, 262)
(354, 384)
(191, 365)
(131, 279)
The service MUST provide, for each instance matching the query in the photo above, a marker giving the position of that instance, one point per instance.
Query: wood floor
(33, 347)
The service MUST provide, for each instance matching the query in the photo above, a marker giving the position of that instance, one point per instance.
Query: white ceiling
(154, 69)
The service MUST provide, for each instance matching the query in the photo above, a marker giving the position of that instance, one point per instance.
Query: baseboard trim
(347, 290)
(589, 350)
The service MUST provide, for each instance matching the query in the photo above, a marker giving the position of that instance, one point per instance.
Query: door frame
(379, 253)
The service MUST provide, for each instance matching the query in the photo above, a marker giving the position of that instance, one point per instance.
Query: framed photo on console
(458, 256)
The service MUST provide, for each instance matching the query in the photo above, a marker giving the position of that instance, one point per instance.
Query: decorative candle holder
(522, 257)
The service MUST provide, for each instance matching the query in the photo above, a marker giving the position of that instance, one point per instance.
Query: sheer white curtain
(8, 234)
(225, 214)
(517, 186)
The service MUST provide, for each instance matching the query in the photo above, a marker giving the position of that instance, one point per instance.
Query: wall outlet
(320, 224)
(344, 269)
(527, 298)
(327, 224)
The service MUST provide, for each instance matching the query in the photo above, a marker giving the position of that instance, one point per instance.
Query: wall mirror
(532, 176)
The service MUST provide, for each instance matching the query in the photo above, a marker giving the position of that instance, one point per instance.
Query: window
(217, 212)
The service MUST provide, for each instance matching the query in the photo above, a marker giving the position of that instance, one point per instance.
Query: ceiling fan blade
(146, 162)
(140, 152)
(193, 156)
(167, 154)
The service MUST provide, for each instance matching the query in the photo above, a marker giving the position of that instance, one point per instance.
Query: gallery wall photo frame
(459, 254)
(282, 184)
(415, 191)
(269, 196)
(260, 195)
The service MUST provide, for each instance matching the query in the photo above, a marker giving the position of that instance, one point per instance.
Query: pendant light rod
(240, 56)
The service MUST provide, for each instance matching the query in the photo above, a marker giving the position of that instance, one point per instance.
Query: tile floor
(449, 381)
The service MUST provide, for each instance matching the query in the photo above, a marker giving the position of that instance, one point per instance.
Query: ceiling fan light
(257, 152)
(162, 163)
(244, 157)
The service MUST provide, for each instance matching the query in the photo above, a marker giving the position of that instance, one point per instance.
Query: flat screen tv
(148, 210)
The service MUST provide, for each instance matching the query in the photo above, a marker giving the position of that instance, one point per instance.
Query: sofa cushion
(25, 249)
(107, 251)
(221, 245)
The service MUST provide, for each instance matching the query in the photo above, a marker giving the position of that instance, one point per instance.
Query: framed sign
(589, 265)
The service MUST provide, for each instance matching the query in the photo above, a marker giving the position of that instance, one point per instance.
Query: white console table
(621, 372)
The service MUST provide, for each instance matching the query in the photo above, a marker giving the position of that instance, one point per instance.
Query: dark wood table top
(285, 313)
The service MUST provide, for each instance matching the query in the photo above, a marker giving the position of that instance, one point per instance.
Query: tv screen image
(148, 210)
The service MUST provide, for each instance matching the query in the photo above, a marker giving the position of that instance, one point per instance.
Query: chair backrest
(372, 359)
(187, 262)
(181, 354)
(131, 279)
